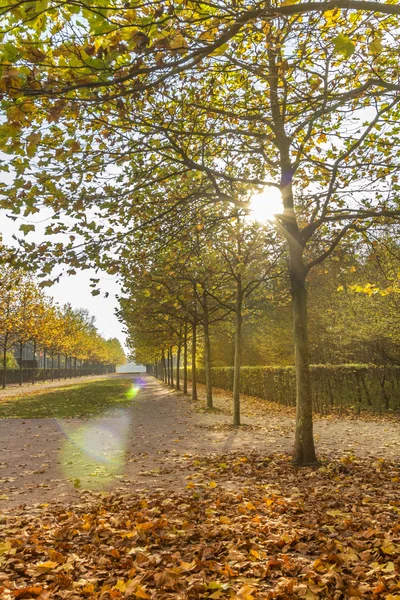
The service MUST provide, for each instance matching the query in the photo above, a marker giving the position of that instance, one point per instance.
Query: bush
(334, 387)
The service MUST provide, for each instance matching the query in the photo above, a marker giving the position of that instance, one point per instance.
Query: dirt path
(151, 445)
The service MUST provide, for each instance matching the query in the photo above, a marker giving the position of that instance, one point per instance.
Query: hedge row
(334, 387)
(13, 375)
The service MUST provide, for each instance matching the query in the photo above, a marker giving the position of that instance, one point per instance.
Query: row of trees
(219, 297)
(205, 278)
(134, 113)
(29, 318)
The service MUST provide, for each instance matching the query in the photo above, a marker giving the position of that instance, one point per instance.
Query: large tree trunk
(178, 361)
(304, 452)
(207, 353)
(185, 360)
(194, 351)
(238, 354)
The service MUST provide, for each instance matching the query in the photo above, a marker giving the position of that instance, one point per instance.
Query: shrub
(334, 387)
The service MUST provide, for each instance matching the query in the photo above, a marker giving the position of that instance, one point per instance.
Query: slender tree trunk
(21, 350)
(238, 354)
(75, 367)
(194, 351)
(52, 365)
(164, 368)
(304, 452)
(185, 359)
(59, 367)
(44, 364)
(171, 365)
(178, 360)
(207, 354)
(5, 361)
(168, 369)
(34, 362)
(66, 366)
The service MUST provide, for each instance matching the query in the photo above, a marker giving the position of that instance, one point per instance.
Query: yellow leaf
(140, 592)
(389, 568)
(178, 41)
(120, 585)
(212, 484)
(388, 547)
(225, 520)
(47, 565)
(331, 16)
(5, 547)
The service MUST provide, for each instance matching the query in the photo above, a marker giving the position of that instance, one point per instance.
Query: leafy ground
(246, 527)
(87, 399)
(156, 498)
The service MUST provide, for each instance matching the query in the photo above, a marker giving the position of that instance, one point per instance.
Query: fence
(29, 375)
(334, 387)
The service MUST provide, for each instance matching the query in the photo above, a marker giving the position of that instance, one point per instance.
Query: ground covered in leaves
(136, 434)
(247, 526)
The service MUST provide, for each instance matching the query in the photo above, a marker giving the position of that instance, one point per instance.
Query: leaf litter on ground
(247, 527)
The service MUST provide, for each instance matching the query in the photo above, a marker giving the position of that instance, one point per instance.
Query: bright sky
(74, 289)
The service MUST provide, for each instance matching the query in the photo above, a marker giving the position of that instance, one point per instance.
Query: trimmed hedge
(334, 387)
(13, 375)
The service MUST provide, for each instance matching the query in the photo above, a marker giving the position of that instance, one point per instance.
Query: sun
(263, 206)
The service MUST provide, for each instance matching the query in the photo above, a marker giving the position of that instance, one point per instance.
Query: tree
(10, 288)
(283, 83)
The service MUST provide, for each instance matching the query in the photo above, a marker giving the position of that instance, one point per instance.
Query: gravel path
(148, 445)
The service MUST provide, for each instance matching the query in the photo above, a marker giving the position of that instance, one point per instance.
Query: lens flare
(132, 392)
(94, 454)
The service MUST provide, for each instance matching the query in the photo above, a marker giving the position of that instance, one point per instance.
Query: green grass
(82, 400)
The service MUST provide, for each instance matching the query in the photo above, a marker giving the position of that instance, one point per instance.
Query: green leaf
(343, 45)
(27, 228)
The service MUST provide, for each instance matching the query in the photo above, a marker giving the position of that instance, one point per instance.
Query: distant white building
(131, 367)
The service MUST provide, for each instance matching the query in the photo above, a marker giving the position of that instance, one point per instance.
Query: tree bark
(164, 368)
(33, 362)
(21, 349)
(304, 452)
(238, 353)
(178, 361)
(44, 364)
(59, 367)
(171, 365)
(185, 360)
(5, 361)
(194, 351)
(207, 353)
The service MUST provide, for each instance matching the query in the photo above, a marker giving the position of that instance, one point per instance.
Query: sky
(74, 289)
